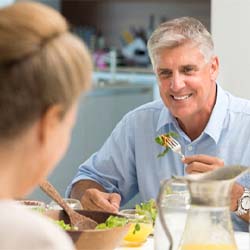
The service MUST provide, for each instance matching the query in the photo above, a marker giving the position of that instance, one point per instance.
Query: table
(242, 241)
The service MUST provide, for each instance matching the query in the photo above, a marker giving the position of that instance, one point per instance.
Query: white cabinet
(230, 29)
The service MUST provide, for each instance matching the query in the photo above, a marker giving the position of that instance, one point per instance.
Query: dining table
(242, 241)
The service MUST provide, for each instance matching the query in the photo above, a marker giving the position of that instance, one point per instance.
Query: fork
(174, 145)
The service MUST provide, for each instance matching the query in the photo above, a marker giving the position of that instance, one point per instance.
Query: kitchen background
(116, 32)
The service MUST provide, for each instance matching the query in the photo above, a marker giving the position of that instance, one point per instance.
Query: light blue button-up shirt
(127, 163)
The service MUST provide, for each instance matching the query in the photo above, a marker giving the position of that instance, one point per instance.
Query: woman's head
(177, 32)
(41, 64)
(43, 70)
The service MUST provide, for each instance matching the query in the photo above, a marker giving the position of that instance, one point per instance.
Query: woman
(43, 70)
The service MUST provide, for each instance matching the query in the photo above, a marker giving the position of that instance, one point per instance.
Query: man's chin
(181, 113)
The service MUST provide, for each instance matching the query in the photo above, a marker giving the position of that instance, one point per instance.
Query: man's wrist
(243, 203)
(237, 192)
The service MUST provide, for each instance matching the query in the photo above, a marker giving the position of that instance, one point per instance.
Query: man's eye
(188, 69)
(165, 74)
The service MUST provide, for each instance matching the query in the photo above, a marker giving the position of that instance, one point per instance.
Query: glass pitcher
(208, 224)
(174, 203)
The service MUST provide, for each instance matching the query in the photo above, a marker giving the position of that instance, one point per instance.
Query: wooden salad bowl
(92, 239)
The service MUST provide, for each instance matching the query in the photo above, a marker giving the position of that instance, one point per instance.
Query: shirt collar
(215, 123)
(165, 118)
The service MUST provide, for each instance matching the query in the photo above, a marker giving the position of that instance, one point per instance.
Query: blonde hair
(178, 31)
(41, 64)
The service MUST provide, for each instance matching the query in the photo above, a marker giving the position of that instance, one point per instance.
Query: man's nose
(177, 82)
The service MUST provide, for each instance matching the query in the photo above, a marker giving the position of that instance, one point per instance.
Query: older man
(208, 120)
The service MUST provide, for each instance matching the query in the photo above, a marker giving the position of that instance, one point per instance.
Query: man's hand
(93, 199)
(205, 163)
(237, 192)
(202, 163)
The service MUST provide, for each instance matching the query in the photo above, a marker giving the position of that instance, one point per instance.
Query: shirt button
(190, 148)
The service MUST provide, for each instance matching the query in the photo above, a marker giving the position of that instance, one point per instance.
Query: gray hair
(179, 31)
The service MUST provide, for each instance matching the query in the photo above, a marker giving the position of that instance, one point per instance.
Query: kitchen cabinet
(113, 18)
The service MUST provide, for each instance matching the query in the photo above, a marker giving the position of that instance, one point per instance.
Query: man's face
(186, 81)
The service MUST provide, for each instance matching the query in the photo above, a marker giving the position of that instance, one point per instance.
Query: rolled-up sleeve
(113, 166)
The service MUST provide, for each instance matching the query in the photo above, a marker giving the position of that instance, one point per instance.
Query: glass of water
(174, 205)
(73, 203)
(39, 206)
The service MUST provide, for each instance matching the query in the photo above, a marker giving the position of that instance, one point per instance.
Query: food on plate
(162, 140)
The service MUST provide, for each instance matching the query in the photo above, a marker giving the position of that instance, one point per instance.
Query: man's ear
(49, 123)
(214, 70)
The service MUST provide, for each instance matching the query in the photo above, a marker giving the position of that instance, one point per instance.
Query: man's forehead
(180, 58)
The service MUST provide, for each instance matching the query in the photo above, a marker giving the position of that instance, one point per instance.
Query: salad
(161, 139)
(113, 221)
(65, 226)
(147, 207)
(144, 208)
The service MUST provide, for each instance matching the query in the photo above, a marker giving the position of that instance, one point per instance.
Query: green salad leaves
(65, 226)
(160, 140)
(113, 221)
(147, 207)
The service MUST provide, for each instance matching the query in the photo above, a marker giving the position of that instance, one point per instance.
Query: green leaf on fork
(160, 140)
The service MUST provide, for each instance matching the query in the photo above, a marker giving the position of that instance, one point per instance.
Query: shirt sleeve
(113, 166)
(238, 223)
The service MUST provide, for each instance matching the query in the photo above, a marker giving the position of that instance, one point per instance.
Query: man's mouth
(181, 98)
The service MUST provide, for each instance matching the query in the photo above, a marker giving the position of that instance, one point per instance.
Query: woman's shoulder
(22, 228)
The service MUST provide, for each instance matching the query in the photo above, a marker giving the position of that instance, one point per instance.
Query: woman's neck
(11, 171)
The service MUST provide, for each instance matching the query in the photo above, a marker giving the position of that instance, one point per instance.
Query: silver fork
(174, 145)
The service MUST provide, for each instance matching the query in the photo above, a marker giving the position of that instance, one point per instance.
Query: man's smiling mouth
(181, 98)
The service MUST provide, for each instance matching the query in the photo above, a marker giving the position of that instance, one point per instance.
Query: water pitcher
(174, 203)
(208, 224)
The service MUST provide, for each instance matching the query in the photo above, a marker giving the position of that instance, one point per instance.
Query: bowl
(39, 206)
(141, 226)
(93, 239)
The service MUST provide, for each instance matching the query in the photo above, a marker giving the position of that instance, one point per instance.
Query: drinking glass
(141, 227)
(73, 203)
(174, 206)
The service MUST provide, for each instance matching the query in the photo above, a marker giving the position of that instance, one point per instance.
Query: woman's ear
(49, 123)
(214, 70)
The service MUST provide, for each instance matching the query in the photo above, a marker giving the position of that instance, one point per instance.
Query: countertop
(107, 80)
(130, 77)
